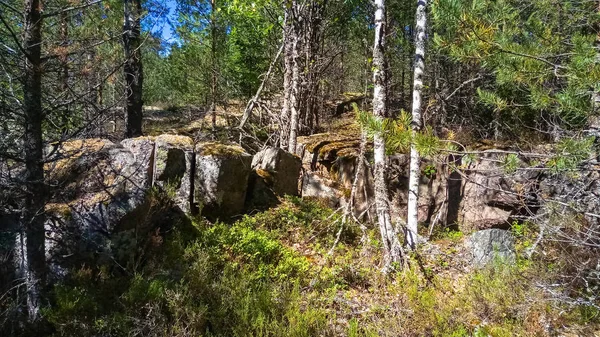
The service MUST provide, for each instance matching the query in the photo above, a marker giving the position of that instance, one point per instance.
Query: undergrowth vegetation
(274, 274)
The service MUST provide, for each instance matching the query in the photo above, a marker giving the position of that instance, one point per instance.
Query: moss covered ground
(275, 273)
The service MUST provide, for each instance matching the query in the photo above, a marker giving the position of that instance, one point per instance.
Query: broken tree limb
(252, 103)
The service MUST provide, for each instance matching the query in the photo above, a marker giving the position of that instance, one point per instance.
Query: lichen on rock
(219, 150)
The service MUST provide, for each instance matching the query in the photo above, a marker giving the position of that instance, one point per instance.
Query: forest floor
(300, 270)
(303, 269)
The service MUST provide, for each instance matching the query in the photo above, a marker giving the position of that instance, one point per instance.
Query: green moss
(336, 149)
(219, 150)
(175, 140)
(63, 210)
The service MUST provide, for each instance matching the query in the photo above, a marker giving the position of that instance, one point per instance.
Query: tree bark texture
(417, 124)
(389, 235)
(295, 81)
(284, 118)
(34, 260)
(134, 75)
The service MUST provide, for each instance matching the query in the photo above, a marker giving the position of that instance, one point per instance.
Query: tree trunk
(134, 75)
(295, 82)
(596, 94)
(213, 57)
(417, 125)
(389, 236)
(287, 77)
(33, 213)
(64, 73)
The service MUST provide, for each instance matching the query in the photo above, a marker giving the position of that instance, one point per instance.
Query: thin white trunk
(417, 124)
(287, 78)
(295, 85)
(389, 235)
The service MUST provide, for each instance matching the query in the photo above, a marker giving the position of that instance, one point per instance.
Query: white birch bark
(295, 84)
(389, 235)
(287, 78)
(417, 124)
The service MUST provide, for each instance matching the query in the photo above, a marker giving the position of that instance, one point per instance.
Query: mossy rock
(219, 150)
(344, 148)
(183, 142)
(317, 141)
(59, 209)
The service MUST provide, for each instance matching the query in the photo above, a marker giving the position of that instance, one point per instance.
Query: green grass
(269, 274)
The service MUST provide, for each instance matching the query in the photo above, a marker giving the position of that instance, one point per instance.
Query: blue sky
(161, 26)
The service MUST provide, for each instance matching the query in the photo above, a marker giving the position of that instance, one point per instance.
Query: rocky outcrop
(478, 195)
(492, 197)
(279, 169)
(570, 194)
(101, 182)
(221, 179)
(315, 186)
(491, 246)
(330, 162)
(104, 190)
(173, 168)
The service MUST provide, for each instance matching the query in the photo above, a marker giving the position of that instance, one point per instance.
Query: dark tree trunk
(34, 261)
(134, 75)
(64, 73)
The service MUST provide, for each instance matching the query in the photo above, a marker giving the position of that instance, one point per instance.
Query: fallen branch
(252, 103)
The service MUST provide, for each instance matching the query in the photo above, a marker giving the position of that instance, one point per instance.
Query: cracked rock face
(173, 167)
(104, 190)
(314, 186)
(280, 170)
(101, 182)
(491, 246)
(221, 179)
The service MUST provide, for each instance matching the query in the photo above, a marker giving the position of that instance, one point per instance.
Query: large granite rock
(492, 197)
(173, 167)
(568, 195)
(142, 149)
(280, 170)
(221, 179)
(100, 183)
(315, 186)
(491, 246)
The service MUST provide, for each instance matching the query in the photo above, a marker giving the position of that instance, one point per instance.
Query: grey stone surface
(174, 160)
(101, 183)
(314, 186)
(282, 168)
(221, 179)
(490, 245)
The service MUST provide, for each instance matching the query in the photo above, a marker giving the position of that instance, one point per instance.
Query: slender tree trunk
(64, 73)
(287, 77)
(134, 75)
(295, 84)
(417, 125)
(389, 234)
(213, 57)
(33, 213)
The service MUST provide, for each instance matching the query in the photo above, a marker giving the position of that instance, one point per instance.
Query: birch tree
(287, 76)
(417, 125)
(389, 235)
(295, 81)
